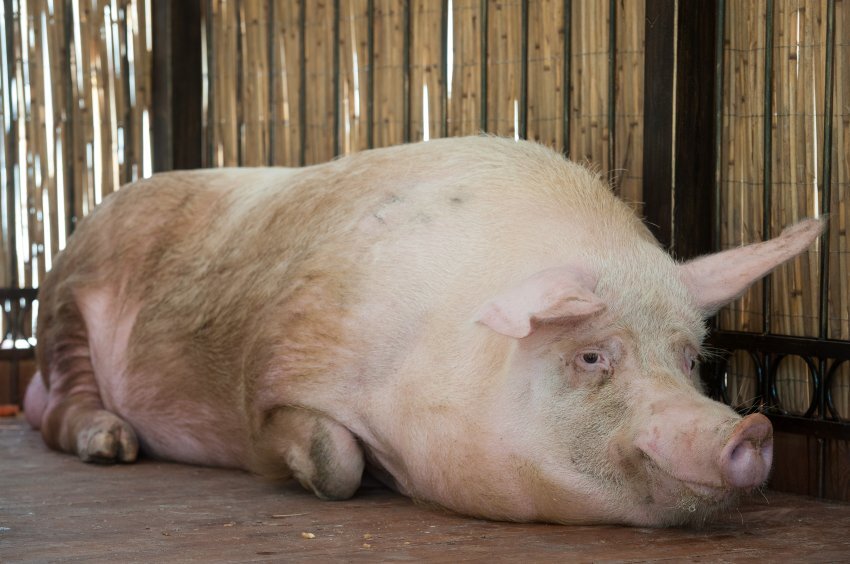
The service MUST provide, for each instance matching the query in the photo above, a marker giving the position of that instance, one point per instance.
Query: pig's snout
(746, 458)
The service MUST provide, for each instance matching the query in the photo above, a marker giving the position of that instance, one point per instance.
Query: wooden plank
(679, 165)
(694, 121)
(154, 511)
(658, 118)
(796, 467)
(837, 483)
(177, 85)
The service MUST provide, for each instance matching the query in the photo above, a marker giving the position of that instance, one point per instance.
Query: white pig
(479, 322)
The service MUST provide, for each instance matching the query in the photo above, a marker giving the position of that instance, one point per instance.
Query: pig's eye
(590, 358)
(690, 362)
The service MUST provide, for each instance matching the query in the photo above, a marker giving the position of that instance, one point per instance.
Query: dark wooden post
(678, 155)
(177, 93)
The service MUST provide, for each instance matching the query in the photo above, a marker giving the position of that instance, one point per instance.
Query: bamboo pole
(7, 185)
(254, 82)
(545, 72)
(504, 77)
(628, 132)
(589, 83)
(426, 85)
(354, 58)
(465, 80)
(140, 24)
(388, 72)
(81, 145)
(224, 72)
(31, 145)
(287, 89)
(319, 90)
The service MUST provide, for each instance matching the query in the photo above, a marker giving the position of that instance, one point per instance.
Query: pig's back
(211, 297)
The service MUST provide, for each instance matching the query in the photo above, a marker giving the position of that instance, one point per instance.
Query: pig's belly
(170, 424)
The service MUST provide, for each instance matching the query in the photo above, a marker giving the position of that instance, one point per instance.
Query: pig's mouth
(707, 491)
(681, 502)
(711, 478)
(686, 494)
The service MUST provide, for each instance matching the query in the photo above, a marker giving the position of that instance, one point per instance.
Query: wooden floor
(55, 508)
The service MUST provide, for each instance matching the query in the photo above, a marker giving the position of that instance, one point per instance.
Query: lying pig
(478, 321)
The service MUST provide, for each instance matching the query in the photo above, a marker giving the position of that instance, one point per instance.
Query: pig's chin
(681, 502)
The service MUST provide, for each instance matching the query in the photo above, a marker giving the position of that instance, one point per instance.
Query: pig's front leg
(320, 453)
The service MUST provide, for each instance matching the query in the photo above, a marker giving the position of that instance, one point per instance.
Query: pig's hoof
(332, 467)
(108, 439)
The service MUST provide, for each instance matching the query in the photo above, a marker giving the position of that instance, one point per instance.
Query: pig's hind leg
(74, 419)
(321, 454)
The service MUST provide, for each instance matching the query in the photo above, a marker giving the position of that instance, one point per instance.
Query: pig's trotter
(320, 453)
(107, 439)
(95, 435)
(81, 425)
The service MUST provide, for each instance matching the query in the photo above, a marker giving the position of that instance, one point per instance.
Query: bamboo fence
(294, 82)
(431, 71)
(742, 148)
(794, 86)
(75, 91)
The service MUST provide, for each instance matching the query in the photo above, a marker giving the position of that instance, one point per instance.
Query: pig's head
(612, 424)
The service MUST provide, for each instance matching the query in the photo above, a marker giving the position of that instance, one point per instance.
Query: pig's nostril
(745, 460)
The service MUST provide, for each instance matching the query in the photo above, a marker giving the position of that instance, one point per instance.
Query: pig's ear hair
(717, 279)
(550, 296)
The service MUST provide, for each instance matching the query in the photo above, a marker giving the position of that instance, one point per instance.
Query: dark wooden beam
(658, 118)
(177, 86)
(693, 210)
(679, 98)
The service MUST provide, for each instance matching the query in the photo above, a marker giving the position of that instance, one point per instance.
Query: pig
(477, 322)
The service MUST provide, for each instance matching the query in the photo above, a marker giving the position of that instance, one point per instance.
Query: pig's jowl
(478, 321)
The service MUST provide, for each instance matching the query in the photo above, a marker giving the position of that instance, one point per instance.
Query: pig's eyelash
(709, 354)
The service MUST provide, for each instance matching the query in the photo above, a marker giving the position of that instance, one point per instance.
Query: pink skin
(748, 454)
(682, 443)
(35, 401)
(479, 318)
(682, 440)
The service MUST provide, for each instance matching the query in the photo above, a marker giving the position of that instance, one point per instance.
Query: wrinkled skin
(478, 322)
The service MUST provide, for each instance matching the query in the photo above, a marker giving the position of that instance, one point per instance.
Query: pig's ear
(552, 295)
(715, 280)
